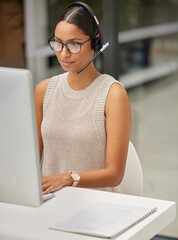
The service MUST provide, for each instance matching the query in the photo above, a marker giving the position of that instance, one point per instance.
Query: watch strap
(75, 181)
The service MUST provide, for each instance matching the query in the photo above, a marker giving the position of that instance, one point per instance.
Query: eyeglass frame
(65, 44)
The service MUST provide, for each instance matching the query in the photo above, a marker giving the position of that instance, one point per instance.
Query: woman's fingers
(45, 186)
(51, 183)
(48, 190)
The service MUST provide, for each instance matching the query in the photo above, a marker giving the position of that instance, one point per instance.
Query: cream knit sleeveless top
(73, 126)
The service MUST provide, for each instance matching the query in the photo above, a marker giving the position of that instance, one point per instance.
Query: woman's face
(67, 33)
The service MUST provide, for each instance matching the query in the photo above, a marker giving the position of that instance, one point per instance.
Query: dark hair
(81, 18)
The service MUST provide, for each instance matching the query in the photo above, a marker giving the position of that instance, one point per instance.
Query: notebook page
(104, 219)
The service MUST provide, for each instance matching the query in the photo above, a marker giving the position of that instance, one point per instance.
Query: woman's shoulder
(117, 93)
(41, 87)
(43, 84)
(114, 86)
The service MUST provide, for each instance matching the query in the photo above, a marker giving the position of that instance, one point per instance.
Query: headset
(97, 43)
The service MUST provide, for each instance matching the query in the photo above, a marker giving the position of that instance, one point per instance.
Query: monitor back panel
(20, 177)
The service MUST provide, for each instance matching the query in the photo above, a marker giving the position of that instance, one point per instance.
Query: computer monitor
(20, 173)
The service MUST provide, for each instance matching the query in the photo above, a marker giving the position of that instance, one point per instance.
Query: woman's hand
(55, 182)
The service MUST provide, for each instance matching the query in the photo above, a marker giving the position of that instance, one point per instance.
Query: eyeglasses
(72, 47)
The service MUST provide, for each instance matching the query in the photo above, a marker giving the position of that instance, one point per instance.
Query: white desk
(26, 223)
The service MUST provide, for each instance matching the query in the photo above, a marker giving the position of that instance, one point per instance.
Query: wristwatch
(76, 177)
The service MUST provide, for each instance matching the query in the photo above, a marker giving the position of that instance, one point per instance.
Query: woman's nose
(65, 52)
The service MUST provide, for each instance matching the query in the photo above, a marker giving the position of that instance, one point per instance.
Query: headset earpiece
(96, 44)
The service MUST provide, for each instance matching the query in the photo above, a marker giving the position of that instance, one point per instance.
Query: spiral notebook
(105, 220)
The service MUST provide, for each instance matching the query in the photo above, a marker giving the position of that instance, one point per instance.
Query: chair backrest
(132, 182)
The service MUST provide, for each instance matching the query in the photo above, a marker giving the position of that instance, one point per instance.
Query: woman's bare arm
(39, 94)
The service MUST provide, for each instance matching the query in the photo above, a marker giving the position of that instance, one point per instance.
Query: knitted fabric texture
(73, 126)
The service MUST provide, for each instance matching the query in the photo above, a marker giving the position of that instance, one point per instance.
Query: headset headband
(92, 13)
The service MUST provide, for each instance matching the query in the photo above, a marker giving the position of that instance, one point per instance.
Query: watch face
(75, 176)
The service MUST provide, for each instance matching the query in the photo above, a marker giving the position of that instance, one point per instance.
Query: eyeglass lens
(72, 47)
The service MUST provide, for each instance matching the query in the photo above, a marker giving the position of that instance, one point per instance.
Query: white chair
(132, 182)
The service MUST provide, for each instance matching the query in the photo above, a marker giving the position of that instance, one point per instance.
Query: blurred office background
(144, 34)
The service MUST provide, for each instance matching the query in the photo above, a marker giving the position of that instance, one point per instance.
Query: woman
(83, 119)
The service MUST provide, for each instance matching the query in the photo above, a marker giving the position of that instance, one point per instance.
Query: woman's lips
(66, 63)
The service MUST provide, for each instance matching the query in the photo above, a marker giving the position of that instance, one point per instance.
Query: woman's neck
(82, 80)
